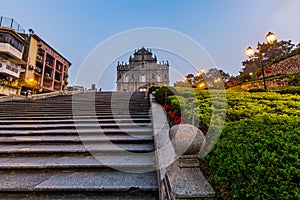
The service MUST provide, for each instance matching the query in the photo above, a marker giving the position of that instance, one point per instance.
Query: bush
(257, 155)
(256, 90)
(289, 91)
(162, 93)
(257, 158)
(153, 89)
(294, 79)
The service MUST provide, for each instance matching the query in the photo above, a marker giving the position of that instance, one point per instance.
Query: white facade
(142, 72)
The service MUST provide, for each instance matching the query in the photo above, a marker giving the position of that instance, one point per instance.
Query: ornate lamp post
(271, 38)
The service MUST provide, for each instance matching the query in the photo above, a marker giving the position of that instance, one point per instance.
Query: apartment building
(11, 53)
(28, 63)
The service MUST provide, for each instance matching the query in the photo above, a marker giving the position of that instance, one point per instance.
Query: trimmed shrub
(256, 90)
(162, 93)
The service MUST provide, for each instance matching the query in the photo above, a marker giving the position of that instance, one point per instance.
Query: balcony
(57, 86)
(9, 49)
(38, 71)
(39, 58)
(47, 84)
(10, 69)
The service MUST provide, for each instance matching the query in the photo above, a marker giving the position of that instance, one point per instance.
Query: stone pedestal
(184, 179)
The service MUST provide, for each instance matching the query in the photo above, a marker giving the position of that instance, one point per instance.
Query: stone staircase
(47, 152)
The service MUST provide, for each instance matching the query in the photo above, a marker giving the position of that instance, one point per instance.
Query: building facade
(142, 72)
(28, 63)
(11, 53)
(46, 70)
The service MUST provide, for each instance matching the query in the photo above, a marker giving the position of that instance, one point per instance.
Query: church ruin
(142, 72)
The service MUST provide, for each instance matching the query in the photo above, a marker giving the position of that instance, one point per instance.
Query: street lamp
(271, 39)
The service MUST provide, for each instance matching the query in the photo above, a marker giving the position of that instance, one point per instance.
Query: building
(46, 70)
(142, 72)
(11, 53)
(27, 62)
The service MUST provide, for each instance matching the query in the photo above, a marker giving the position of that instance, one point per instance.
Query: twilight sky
(223, 28)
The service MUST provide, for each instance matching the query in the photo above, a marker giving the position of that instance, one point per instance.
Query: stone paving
(43, 157)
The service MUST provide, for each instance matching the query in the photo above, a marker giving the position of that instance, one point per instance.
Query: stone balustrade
(177, 155)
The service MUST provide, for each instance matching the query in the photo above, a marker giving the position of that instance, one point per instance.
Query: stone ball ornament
(186, 139)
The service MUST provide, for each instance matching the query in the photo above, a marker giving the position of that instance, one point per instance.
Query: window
(126, 79)
(1, 37)
(132, 76)
(153, 76)
(143, 78)
(158, 78)
(7, 38)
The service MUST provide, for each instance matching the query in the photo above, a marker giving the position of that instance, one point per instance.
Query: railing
(11, 23)
(179, 174)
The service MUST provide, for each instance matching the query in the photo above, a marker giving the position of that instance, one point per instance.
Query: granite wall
(288, 66)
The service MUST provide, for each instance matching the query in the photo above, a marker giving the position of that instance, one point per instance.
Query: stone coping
(175, 181)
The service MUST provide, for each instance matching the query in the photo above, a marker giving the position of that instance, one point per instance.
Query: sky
(223, 28)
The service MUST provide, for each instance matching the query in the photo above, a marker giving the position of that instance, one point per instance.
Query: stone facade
(288, 66)
(142, 72)
(279, 82)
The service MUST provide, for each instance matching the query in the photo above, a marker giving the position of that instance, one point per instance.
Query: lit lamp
(271, 39)
(250, 52)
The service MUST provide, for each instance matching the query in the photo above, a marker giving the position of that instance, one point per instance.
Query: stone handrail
(177, 156)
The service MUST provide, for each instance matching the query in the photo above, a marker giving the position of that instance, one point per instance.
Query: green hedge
(257, 158)
(256, 90)
(257, 155)
(162, 93)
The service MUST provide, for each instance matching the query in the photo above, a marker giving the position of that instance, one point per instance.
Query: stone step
(72, 126)
(96, 131)
(70, 121)
(43, 157)
(128, 195)
(92, 116)
(76, 139)
(112, 160)
(78, 148)
(62, 113)
(79, 181)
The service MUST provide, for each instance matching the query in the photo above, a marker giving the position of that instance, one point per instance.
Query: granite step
(71, 126)
(43, 157)
(128, 195)
(71, 121)
(76, 139)
(124, 160)
(96, 131)
(78, 181)
(78, 148)
(127, 116)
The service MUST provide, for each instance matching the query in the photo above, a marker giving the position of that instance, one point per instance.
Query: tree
(269, 53)
(214, 73)
(278, 49)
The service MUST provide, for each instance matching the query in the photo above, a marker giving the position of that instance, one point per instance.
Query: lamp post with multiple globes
(271, 39)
